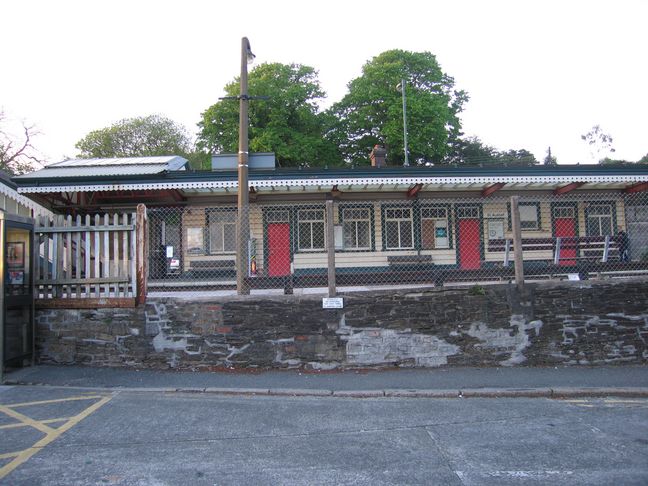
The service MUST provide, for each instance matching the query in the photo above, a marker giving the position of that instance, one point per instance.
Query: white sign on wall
(495, 229)
(332, 303)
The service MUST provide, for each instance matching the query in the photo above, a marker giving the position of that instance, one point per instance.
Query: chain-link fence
(417, 242)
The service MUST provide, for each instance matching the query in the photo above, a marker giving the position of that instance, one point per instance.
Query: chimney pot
(377, 156)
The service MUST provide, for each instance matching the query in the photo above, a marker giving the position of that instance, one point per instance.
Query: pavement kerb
(540, 392)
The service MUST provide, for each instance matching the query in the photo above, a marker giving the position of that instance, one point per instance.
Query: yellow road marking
(26, 420)
(22, 424)
(25, 455)
(9, 454)
(58, 400)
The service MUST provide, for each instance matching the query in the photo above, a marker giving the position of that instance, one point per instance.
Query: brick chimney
(377, 156)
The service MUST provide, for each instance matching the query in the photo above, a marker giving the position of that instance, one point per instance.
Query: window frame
(209, 212)
(385, 220)
(612, 206)
(448, 219)
(371, 220)
(538, 212)
(299, 222)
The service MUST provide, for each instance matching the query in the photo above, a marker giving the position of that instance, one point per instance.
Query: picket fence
(86, 257)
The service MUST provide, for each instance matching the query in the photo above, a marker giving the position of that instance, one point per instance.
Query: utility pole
(402, 86)
(243, 221)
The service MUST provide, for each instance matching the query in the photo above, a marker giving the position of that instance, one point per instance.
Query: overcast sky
(539, 73)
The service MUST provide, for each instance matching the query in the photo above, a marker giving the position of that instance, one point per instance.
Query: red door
(469, 244)
(278, 249)
(566, 228)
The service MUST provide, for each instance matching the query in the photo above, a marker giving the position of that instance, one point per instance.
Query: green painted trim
(564, 204)
(577, 171)
(208, 239)
(614, 215)
(372, 224)
(383, 208)
(266, 247)
(294, 224)
(448, 208)
(482, 249)
(525, 203)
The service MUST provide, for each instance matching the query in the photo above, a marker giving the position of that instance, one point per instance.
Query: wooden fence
(90, 259)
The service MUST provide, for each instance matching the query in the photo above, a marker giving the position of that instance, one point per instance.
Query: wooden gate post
(517, 241)
(141, 231)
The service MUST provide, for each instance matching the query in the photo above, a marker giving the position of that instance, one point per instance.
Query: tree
(288, 123)
(550, 159)
(600, 143)
(471, 151)
(137, 137)
(17, 153)
(372, 111)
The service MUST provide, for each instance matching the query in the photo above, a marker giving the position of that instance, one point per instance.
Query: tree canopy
(288, 123)
(471, 151)
(17, 152)
(372, 111)
(137, 137)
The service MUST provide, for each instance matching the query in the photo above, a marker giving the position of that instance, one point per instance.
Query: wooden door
(565, 228)
(278, 249)
(469, 244)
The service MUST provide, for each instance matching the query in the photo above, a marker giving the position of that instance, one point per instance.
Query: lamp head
(248, 50)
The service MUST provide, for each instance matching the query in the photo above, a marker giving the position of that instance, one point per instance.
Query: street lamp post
(401, 88)
(243, 220)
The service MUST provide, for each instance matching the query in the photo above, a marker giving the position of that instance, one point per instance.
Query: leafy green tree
(288, 123)
(643, 160)
(519, 158)
(137, 137)
(471, 151)
(372, 111)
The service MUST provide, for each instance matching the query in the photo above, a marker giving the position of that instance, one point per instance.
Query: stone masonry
(568, 323)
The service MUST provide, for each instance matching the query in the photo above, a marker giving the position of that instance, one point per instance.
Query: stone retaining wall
(550, 323)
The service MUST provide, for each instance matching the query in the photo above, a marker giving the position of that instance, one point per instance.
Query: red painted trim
(414, 190)
(642, 186)
(491, 189)
(567, 188)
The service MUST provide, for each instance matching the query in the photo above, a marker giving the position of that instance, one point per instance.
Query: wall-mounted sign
(495, 229)
(332, 303)
(494, 214)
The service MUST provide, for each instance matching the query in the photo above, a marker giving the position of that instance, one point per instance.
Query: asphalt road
(59, 436)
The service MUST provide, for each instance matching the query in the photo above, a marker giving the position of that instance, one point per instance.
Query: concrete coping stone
(301, 392)
(505, 392)
(422, 393)
(556, 392)
(238, 391)
(359, 393)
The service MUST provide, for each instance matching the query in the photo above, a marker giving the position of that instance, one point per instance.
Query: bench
(218, 267)
(588, 248)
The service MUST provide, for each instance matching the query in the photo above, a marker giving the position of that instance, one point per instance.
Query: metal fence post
(330, 248)
(517, 241)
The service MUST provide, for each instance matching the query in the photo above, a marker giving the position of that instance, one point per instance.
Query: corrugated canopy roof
(359, 179)
(117, 166)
